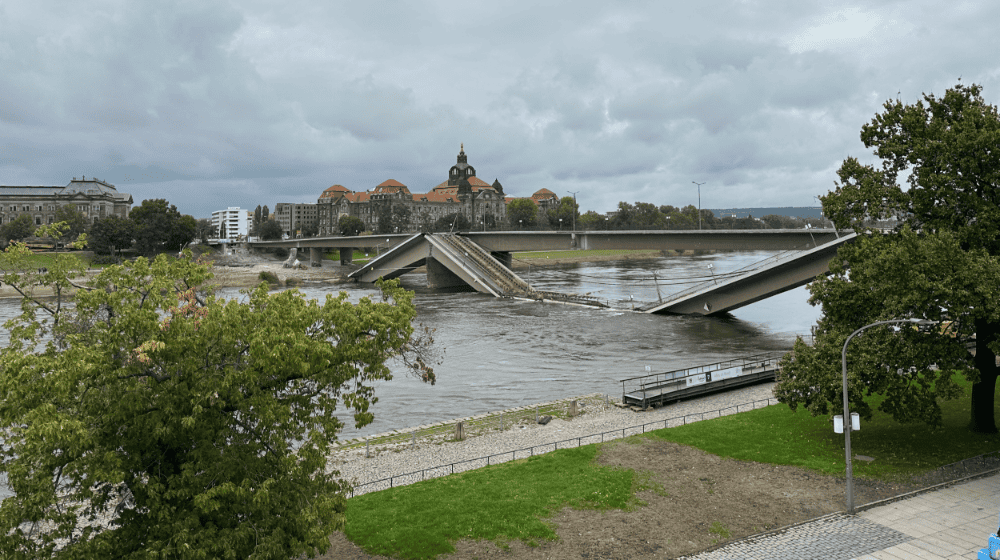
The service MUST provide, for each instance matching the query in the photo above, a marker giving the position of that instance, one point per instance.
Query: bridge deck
(763, 279)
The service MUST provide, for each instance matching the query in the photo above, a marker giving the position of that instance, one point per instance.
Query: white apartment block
(236, 220)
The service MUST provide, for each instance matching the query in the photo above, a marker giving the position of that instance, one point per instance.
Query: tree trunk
(984, 391)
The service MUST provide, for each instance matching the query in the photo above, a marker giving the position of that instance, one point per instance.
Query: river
(500, 354)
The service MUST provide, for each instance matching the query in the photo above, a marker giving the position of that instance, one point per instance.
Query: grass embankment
(777, 435)
(512, 500)
(499, 503)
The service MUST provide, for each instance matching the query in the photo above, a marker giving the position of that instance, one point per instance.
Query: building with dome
(462, 192)
(93, 197)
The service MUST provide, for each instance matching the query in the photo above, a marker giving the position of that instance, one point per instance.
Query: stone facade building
(294, 217)
(96, 199)
(462, 193)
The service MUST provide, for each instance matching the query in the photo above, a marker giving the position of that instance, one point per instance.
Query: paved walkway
(947, 524)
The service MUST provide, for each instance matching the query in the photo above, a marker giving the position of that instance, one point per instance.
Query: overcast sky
(216, 104)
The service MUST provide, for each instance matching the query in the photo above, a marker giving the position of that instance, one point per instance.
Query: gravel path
(429, 458)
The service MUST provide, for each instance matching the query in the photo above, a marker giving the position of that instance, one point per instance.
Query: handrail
(530, 451)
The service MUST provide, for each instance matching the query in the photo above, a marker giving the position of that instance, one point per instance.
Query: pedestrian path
(950, 523)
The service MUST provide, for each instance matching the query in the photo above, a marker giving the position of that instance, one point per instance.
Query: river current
(501, 354)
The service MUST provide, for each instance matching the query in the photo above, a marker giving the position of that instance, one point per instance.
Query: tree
(256, 219)
(111, 235)
(74, 219)
(200, 425)
(160, 226)
(21, 227)
(942, 263)
(309, 230)
(522, 213)
(350, 225)
(452, 222)
(264, 214)
(222, 230)
(593, 221)
(270, 230)
(205, 229)
(567, 211)
(392, 218)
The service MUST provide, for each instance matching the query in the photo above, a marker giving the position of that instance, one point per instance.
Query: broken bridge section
(760, 280)
(451, 260)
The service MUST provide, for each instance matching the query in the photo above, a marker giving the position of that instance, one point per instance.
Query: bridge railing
(654, 381)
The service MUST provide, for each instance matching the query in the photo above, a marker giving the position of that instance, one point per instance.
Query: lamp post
(574, 208)
(699, 201)
(847, 413)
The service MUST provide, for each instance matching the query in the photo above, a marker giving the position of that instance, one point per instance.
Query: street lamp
(574, 208)
(560, 224)
(699, 201)
(847, 414)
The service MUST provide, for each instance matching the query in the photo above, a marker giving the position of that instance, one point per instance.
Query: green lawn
(499, 503)
(777, 435)
(513, 500)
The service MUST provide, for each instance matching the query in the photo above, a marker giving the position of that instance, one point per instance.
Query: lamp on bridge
(699, 201)
(855, 423)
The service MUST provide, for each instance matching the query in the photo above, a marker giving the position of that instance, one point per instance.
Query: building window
(26, 208)
(38, 222)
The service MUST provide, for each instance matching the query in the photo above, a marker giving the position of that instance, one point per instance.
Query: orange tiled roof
(391, 183)
(436, 197)
(543, 193)
(334, 191)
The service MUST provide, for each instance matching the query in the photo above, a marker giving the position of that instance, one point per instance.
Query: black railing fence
(522, 453)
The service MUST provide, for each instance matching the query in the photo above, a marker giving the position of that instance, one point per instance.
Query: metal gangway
(660, 388)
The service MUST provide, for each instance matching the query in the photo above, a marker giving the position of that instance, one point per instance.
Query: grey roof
(29, 191)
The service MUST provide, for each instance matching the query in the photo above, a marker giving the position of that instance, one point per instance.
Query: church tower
(461, 170)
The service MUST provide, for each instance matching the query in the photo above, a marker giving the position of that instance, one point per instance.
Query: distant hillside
(796, 212)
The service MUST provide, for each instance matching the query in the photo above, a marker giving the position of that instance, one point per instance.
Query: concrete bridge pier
(506, 258)
(315, 256)
(438, 276)
(346, 255)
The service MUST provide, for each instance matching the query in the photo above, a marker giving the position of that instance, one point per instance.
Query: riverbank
(244, 271)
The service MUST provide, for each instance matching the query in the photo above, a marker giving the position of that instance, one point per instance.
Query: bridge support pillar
(438, 276)
(346, 255)
(315, 256)
(506, 258)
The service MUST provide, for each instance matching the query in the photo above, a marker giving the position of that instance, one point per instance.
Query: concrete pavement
(948, 523)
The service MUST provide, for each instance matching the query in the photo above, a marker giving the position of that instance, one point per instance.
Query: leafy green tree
(392, 218)
(21, 227)
(566, 211)
(940, 264)
(270, 230)
(111, 235)
(593, 221)
(201, 426)
(205, 229)
(256, 220)
(160, 226)
(310, 230)
(522, 213)
(452, 222)
(350, 225)
(74, 219)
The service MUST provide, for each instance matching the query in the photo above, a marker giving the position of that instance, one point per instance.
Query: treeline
(153, 227)
(523, 214)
